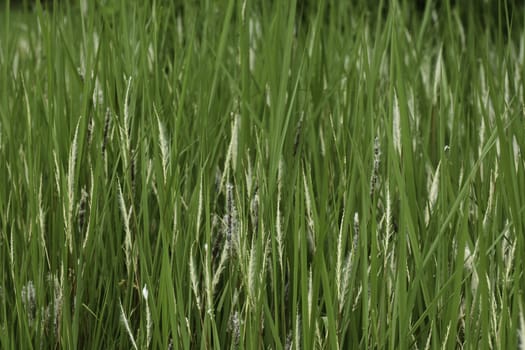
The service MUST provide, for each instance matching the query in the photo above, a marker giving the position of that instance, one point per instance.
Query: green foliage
(245, 174)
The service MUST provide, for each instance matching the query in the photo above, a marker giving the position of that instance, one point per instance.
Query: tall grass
(246, 174)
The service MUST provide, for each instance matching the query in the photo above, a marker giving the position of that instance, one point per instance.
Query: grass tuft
(285, 175)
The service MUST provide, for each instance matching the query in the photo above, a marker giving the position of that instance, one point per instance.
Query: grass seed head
(396, 126)
(28, 296)
(297, 331)
(149, 323)
(164, 148)
(234, 143)
(127, 326)
(356, 232)
(194, 280)
(310, 215)
(235, 328)
(339, 258)
(126, 217)
(310, 293)
(231, 218)
(71, 190)
(278, 221)
(288, 344)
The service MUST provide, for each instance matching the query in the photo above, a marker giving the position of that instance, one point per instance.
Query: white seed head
(225, 253)
(278, 224)
(396, 126)
(148, 315)
(230, 220)
(28, 296)
(194, 280)
(126, 217)
(199, 208)
(309, 211)
(145, 292)
(125, 322)
(310, 293)
(297, 331)
(164, 148)
(71, 190)
(356, 230)
(126, 111)
(235, 328)
(339, 260)
(234, 142)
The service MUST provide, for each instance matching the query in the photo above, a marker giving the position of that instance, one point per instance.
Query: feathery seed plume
(28, 295)
(125, 322)
(164, 148)
(126, 216)
(396, 126)
(145, 294)
(194, 280)
(235, 328)
(339, 259)
(231, 219)
(278, 225)
(71, 190)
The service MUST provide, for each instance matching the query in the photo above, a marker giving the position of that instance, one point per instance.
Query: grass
(262, 175)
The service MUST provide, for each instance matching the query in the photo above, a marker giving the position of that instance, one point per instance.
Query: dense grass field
(262, 175)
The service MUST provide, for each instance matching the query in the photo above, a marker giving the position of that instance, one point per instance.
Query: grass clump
(261, 175)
